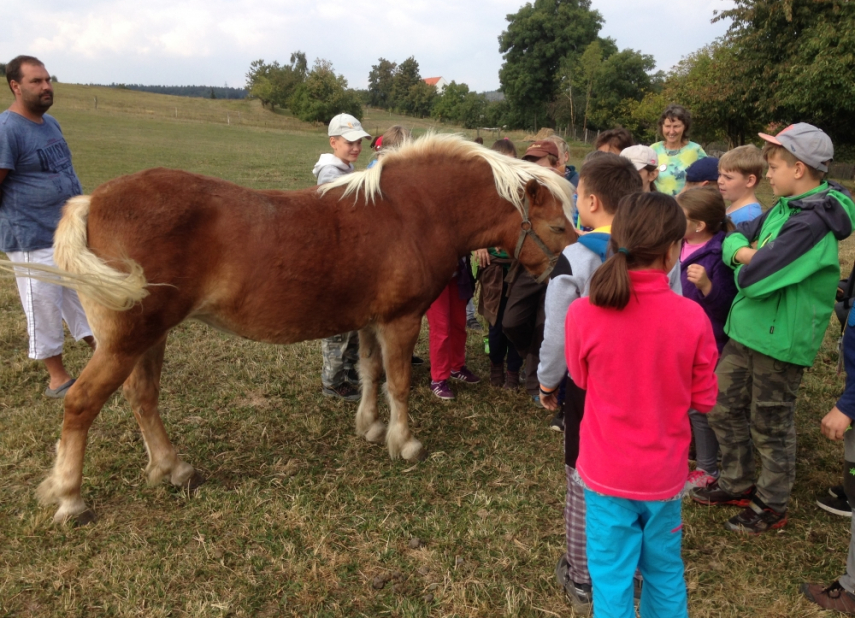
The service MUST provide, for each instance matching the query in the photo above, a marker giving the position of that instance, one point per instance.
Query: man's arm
(3, 175)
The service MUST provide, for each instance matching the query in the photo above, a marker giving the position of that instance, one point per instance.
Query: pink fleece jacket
(643, 367)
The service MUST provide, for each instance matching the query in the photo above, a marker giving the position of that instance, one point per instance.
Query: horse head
(545, 230)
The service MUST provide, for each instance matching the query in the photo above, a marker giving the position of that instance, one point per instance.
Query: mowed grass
(301, 518)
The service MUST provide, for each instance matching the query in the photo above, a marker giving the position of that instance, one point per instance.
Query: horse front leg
(100, 379)
(398, 340)
(142, 390)
(370, 371)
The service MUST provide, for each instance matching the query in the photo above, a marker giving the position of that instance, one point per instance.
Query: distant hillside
(202, 92)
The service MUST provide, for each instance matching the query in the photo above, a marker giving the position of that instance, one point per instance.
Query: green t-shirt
(673, 165)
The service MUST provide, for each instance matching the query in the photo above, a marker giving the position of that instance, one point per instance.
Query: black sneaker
(473, 324)
(837, 506)
(579, 595)
(557, 422)
(714, 495)
(345, 392)
(756, 519)
(837, 492)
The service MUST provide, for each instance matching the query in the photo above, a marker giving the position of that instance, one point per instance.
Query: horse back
(268, 265)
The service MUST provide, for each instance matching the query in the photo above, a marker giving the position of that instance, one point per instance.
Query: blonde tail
(80, 269)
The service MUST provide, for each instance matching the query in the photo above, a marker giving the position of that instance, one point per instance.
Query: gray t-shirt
(40, 180)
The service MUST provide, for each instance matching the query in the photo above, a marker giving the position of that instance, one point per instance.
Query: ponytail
(610, 283)
(643, 230)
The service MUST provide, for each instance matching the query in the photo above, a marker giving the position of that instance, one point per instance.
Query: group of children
(640, 368)
(638, 360)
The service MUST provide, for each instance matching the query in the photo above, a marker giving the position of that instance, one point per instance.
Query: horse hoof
(83, 519)
(414, 451)
(194, 482)
(376, 433)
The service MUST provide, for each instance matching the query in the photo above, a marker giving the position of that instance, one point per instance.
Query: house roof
(432, 80)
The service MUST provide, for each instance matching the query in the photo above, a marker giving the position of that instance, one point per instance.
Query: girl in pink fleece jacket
(645, 355)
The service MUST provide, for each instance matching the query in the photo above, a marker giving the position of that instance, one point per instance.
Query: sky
(212, 42)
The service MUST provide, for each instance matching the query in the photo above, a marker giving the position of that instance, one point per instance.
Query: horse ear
(534, 190)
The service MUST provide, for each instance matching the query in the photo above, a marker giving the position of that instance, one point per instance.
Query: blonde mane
(510, 175)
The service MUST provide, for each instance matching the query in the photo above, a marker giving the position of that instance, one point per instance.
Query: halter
(526, 230)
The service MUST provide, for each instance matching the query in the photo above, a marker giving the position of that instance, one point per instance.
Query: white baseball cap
(641, 156)
(347, 126)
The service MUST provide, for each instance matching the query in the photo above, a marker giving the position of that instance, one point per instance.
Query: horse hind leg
(104, 373)
(370, 371)
(397, 340)
(142, 390)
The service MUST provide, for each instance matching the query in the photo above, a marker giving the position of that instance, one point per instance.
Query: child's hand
(834, 424)
(549, 398)
(482, 257)
(697, 274)
(550, 402)
(744, 255)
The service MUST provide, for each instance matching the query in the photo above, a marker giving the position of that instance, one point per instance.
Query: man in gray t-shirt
(36, 179)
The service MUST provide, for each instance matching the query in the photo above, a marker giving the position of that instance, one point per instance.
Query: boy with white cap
(787, 271)
(646, 161)
(346, 136)
(340, 352)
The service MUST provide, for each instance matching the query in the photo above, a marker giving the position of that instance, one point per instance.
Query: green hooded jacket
(785, 296)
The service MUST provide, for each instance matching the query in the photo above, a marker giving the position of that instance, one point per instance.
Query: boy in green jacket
(787, 270)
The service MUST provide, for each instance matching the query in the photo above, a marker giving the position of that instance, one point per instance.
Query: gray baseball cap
(347, 126)
(807, 143)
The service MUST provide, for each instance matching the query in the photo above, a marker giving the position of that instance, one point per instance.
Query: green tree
(625, 75)
(324, 94)
(538, 38)
(273, 84)
(448, 105)
(258, 84)
(420, 99)
(589, 69)
(798, 61)
(406, 76)
(641, 118)
(3, 69)
(712, 83)
(380, 80)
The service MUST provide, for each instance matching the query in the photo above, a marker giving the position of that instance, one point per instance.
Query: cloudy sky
(212, 42)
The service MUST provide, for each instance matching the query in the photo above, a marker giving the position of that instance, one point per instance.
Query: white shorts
(46, 305)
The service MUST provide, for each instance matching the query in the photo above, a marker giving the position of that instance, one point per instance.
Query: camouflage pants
(341, 354)
(756, 403)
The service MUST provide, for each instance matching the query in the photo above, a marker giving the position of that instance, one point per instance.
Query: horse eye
(557, 229)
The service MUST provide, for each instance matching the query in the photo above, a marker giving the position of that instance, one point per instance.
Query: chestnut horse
(368, 252)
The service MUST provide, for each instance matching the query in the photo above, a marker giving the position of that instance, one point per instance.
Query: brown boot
(834, 597)
(497, 374)
(512, 380)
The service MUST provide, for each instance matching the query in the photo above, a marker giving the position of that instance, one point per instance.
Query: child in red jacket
(645, 356)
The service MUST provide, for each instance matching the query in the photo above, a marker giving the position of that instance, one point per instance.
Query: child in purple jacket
(708, 281)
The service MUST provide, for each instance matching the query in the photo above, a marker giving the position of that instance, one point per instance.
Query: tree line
(205, 92)
(781, 61)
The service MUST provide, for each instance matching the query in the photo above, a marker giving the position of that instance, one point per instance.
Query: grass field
(299, 517)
